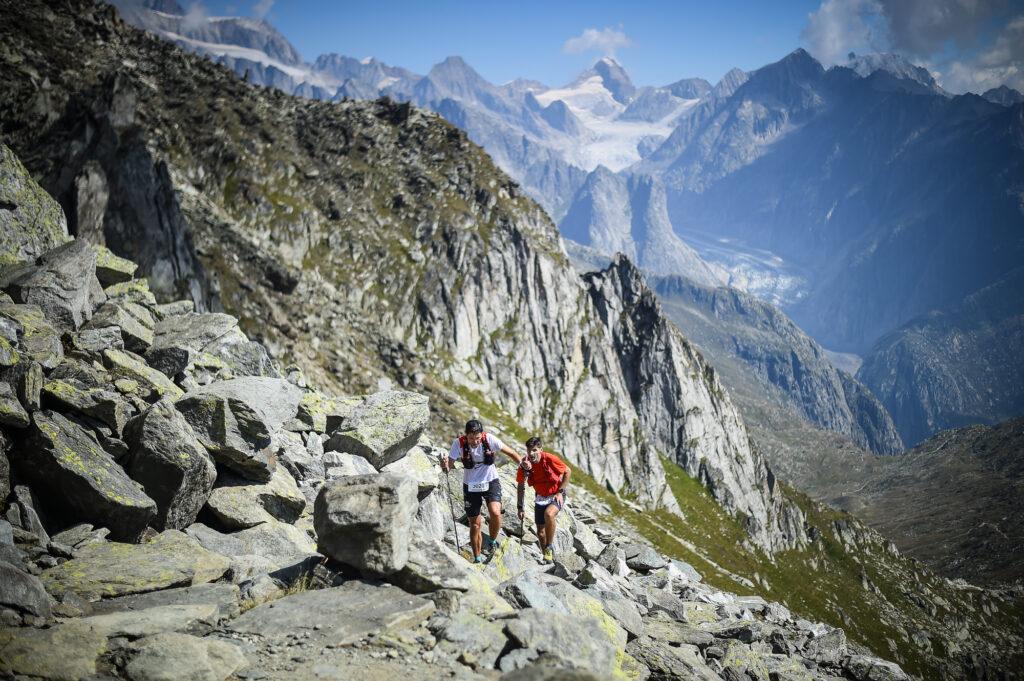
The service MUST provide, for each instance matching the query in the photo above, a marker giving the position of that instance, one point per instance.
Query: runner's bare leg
(549, 523)
(494, 518)
(475, 537)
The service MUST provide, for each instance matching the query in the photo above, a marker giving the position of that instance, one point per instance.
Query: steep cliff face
(724, 320)
(683, 405)
(616, 214)
(359, 240)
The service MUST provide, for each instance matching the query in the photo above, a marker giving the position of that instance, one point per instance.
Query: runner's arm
(452, 455)
(565, 481)
(511, 453)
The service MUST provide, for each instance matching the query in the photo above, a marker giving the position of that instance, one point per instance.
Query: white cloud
(1000, 64)
(262, 8)
(195, 17)
(606, 41)
(952, 38)
(839, 27)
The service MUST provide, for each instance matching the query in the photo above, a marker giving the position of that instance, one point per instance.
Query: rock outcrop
(724, 321)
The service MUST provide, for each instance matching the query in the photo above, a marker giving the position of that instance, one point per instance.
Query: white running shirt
(479, 473)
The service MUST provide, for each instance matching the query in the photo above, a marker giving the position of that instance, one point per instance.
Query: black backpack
(467, 455)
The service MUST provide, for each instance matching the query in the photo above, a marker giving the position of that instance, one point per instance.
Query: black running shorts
(474, 500)
(538, 511)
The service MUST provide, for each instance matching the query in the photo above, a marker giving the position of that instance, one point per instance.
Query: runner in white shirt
(477, 450)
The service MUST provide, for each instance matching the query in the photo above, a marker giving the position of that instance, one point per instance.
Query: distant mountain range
(856, 198)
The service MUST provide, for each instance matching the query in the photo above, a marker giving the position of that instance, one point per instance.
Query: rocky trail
(178, 506)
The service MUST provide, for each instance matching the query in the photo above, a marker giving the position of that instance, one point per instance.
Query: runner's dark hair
(533, 442)
(474, 426)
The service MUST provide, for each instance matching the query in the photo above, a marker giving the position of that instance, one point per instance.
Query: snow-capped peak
(894, 64)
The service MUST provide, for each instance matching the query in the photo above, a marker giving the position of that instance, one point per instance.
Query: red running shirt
(546, 475)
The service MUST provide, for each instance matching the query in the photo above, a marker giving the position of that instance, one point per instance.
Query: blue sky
(507, 40)
(967, 45)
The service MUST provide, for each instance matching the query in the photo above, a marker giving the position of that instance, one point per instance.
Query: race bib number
(478, 486)
(544, 501)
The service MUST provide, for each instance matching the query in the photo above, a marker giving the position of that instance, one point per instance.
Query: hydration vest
(467, 454)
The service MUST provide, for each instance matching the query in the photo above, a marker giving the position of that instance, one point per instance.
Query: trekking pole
(451, 505)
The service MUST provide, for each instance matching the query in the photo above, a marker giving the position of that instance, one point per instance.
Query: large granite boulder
(173, 656)
(432, 566)
(180, 340)
(323, 413)
(30, 652)
(366, 521)
(238, 504)
(419, 465)
(11, 412)
(265, 548)
(22, 591)
(383, 428)
(235, 420)
(134, 321)
(73, 396)
(80, 480)
(31, 222)
(38, 340)
(111, 569)
(342, 615)
(579, 641)
(63, 285)
(112, 269)
(170, 463)
(151, 383)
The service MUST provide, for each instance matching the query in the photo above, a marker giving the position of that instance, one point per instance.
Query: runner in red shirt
(548, 475)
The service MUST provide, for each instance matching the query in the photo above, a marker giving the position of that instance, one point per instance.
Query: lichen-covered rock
(419, 466)
(112, 269)
(580, 641)
(172, 656)
(124, 364)
(135, 322)
(867, 668)
(80, 480)
(135, 291)
(238, 504)
(22, 591)
(63, 285)
(235, 419)
(59, 653)
(260, 549)
(170, 463)
(8, 353)
(181, 339)
(671, 662)
(72, 396)
(31, 223)
(112, 569)
(343, 614)
(223, 597)
(322, 413)
(431, 566)
(11, 412)
(365, 521)
(383, 428)
(93, 341)
(39, 341)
